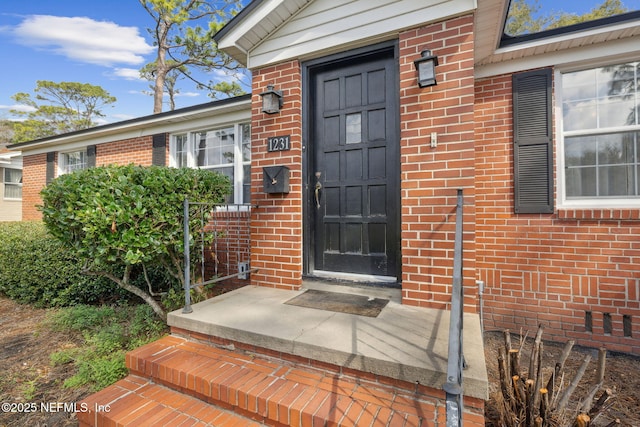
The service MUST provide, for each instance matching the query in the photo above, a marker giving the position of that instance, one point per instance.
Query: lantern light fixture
(426, 67)
(271, 100)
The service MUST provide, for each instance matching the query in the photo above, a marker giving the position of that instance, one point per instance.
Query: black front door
(354, 170)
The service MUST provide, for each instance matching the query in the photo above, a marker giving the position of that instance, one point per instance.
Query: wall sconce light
(426, 67)
(271, 100)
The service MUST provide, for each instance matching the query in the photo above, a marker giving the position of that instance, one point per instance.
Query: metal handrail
(455, 361)
(187, 252)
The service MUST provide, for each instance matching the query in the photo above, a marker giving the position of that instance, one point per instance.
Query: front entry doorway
(352, 179)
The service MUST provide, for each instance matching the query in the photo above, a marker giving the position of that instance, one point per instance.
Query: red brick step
(136, 401)
(257, 388)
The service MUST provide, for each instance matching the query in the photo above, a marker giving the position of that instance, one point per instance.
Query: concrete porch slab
(403, 342)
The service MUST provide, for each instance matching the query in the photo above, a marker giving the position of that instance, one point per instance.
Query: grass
(107, 333)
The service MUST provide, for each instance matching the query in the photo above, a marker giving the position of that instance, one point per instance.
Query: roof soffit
(249, 30)
(491, 59)
(488, 27)
(214, 114)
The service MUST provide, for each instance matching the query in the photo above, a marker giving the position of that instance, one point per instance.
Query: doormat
(340, 303)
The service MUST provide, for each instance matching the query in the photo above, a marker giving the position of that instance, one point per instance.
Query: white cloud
(221, 73)
(122, 117)
(127, 73)
(100, 121)
(187, 94)
(18, 107)
(148, 92)
(84, 39)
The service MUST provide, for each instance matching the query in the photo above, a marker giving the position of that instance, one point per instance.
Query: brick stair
(178, 382)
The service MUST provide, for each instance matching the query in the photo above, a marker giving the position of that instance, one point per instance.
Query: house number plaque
(279, 143)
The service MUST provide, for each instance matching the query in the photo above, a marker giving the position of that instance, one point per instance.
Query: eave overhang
(613, 37)
(253, 24)
(139, 125)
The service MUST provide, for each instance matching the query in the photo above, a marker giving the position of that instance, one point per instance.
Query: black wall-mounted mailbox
(275, 179)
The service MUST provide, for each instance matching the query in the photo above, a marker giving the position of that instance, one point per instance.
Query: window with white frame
(226, 150)
(72, 161)
(12, 184)
(601, 134)
(181, 150)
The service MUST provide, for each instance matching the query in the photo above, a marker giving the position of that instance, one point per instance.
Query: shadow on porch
(253, 358)
(403, 342)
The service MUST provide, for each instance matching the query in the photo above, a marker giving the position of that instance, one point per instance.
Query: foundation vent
(626, 325)
(606, 323)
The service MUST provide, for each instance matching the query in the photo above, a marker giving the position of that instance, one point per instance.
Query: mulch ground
(27, 375)
(621, 377)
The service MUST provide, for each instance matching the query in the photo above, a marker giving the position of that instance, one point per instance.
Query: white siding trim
(606, 52)
(214, 118)
(329, 26)
(267, 17)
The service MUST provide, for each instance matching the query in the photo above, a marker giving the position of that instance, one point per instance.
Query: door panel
(355, 151)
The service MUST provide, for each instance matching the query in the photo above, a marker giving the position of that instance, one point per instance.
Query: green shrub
(36, 269)
(121, 218)
(174, 298)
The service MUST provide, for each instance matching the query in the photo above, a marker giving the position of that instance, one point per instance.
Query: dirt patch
(620, 376)
(29, 384)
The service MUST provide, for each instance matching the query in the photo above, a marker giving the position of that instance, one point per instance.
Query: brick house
(545, 160)
(160, 139)
(219, 130)
(550, 245)
(540, 131)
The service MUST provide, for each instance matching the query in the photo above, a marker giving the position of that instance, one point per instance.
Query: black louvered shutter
(159, 153)
(51, 167)
(533, 142)
(91, 156)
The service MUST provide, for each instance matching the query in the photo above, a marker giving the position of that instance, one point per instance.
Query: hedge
(36, 269)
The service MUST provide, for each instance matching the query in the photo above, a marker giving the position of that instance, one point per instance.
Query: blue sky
(580, 6)
(101, 42)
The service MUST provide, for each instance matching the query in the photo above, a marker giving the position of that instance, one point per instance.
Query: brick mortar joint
(398, 389)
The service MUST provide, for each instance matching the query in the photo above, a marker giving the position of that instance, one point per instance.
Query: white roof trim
(341, 33)
(567, 37)
(13, 159)
(236, 41)
(607, 52)
(9, 156)
(215, 115)
(259, 37)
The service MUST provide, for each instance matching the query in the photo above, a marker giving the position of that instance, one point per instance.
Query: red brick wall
(548, 269)
(431, 176)
(231, 246)
(135, 150)
(34, 178)
(276, 223)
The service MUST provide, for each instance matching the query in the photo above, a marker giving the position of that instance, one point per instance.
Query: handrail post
(455, 361)
(187, 260)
